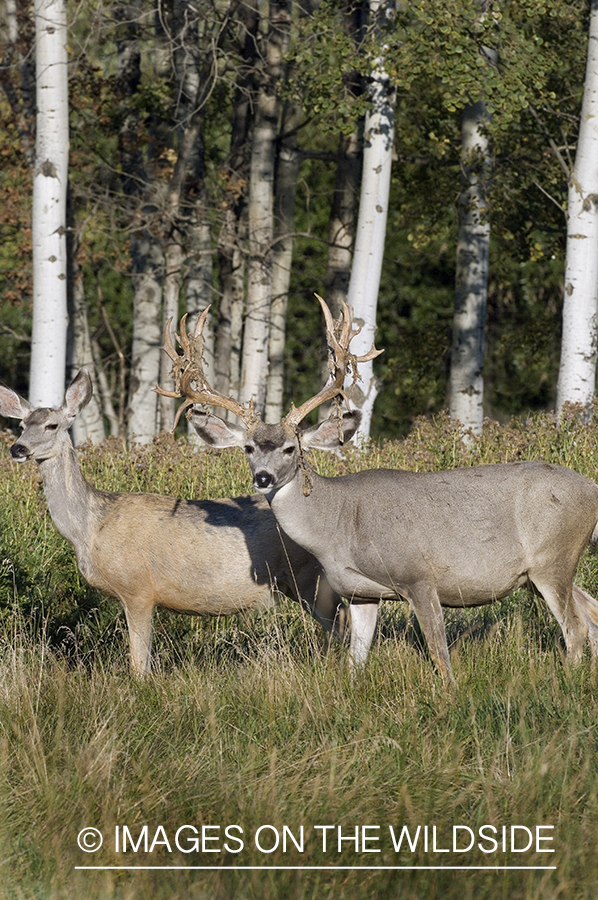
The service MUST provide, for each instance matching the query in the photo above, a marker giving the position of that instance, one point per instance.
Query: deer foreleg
(139, 623)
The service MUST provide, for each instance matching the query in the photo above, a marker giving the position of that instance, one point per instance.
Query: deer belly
(221, 602)
(459, 575)
(475, 577)
(460, 592)
(232, 586)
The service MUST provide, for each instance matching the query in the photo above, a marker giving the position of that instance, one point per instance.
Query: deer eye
(248, 449)
(51, 426)
(288, 451)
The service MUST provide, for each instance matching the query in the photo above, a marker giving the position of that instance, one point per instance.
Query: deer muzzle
(263, 481)
(19, 452)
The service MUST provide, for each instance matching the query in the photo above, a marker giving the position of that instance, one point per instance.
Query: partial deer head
(45, 429)
(274, 451)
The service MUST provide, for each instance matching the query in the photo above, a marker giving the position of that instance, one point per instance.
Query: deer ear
(215, 432)
(78, 394)
(331, 433)
(11, 405)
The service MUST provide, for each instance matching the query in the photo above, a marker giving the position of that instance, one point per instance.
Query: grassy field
(250, 742)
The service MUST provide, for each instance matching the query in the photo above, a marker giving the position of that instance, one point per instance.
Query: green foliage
(15, 253)
(256, 721)
(327, 62)
(434, 54)
(449, 43)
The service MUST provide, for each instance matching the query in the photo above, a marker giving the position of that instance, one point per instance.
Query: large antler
(339, 334)
(189, 379)
(191, 383)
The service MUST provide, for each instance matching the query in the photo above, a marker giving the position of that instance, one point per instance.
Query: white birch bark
(228, 340)
(187, 253)
(198, 289)
(50, 318)
(577, 373)
(231, 267)
(466, 381)
(143, 411)
(10, 11)
(254, 367)
(287, 171)
(371, 224)
(105, 391)
(341, 224)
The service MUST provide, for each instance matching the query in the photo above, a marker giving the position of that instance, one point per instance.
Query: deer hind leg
(363, 618)
(139, 624)
(426, 606)
(588, 607)
(563, 603)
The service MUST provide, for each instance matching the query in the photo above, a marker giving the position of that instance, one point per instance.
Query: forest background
(169, 102)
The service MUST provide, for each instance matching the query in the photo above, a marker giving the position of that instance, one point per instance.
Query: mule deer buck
(204, 558)
(458, 538)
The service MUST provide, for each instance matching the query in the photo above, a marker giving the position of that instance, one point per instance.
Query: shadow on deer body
(458, 538)
(199, 557)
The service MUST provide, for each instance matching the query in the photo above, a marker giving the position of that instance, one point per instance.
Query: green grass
(256, 721)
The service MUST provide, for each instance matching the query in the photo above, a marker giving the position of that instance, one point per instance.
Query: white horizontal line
(319, 868)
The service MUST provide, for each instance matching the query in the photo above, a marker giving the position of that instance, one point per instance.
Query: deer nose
(19, 451)
(263, 480)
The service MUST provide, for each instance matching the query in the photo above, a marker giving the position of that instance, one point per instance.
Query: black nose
(263, 479)
(18, 451)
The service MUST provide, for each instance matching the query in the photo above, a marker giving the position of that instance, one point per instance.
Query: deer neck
(297, 506)
(73, 503)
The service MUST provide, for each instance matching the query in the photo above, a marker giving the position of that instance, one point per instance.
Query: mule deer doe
(204, 558)
(458, 538)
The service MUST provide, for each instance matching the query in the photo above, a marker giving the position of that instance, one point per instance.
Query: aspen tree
(577, 373)
(48, 341)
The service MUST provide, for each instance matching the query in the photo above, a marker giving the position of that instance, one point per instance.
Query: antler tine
(332, 327)
(183, 337)
(168, 346)
(201, 321)
(347, 332)
(371, 354)
(347, 336)
(197, 336)
(187, 371)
